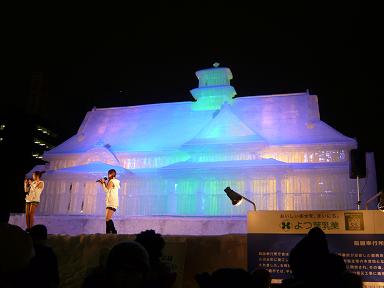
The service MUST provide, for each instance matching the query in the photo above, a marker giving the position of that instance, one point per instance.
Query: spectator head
(261, 278)
(39, 233)
(16, 249)
(153, 242)
(309, 259)
(127, 265)
(317, 238)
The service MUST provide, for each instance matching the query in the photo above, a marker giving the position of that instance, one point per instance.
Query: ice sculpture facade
(177, 158)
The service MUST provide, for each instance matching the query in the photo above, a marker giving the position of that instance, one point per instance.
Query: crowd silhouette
(27, 261)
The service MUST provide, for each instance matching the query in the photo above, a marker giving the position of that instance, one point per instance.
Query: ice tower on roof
(214, 88)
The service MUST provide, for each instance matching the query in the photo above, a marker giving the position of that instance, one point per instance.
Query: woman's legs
(110, 227)
(108, 214)
(27, 205)
(30, 209)
(32, 214)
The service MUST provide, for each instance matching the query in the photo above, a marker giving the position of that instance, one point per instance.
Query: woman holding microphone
(111, 187)
(33, 188)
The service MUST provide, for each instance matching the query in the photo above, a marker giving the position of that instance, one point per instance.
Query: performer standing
(33, 187)
(111, 187)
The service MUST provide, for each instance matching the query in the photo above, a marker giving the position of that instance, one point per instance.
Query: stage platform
(165, 225)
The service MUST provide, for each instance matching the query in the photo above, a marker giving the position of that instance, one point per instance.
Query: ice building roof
(216, 117)
(277, 119)
(225, 128)
(94, 168)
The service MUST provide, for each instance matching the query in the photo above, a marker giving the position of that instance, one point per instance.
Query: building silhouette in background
(25, 134)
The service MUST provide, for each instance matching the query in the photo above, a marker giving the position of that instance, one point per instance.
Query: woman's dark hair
(112, 172)
(39, 173)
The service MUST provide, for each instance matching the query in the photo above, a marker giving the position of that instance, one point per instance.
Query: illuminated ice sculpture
(176, 158)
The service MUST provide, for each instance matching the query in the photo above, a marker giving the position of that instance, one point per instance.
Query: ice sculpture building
(176, 158)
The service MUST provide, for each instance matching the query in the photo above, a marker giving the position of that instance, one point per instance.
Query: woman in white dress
(111, 187)
(33, 188)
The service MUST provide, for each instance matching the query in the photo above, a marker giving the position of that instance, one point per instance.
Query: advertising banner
(356, 235)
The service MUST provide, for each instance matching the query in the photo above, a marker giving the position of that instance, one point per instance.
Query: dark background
(148, 53)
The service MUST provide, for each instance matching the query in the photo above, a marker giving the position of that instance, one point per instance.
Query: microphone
(99, 180)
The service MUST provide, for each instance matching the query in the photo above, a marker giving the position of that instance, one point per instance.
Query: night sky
(122, 56)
